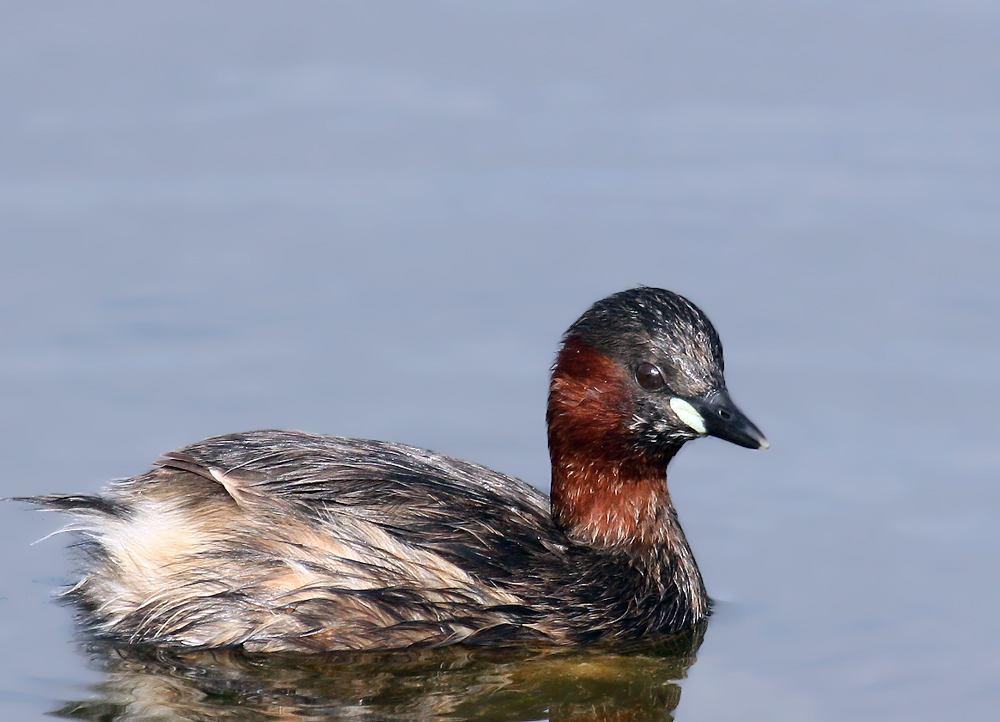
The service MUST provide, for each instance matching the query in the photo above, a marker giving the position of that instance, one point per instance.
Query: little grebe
(286, 541)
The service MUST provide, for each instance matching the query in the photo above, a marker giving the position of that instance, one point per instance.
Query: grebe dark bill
(287, 541)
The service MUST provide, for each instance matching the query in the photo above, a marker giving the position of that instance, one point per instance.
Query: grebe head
(639, 374)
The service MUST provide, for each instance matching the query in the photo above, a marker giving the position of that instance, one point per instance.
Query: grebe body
(287, 541)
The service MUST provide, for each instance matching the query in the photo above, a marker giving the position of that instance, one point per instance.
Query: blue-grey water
(376, 219)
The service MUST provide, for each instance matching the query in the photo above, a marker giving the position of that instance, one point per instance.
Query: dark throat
(606, 492)
(617, 503)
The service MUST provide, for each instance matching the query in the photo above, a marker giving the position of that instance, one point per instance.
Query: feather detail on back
(286, 541)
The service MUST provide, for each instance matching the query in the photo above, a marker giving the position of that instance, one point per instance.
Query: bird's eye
(649, 376)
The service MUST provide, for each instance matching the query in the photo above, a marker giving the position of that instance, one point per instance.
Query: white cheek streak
(688, 414)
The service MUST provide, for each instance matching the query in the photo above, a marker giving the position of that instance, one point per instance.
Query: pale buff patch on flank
(143, 551)
(167, 563)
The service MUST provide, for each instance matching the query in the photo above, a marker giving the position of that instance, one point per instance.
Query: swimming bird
(289, 541)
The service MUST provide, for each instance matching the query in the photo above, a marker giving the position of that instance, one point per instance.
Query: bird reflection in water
(637, 682)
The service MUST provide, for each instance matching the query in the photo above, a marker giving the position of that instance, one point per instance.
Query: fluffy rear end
(182, 559)
(141, 555)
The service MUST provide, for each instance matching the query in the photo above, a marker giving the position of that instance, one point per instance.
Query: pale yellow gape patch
(688, 414)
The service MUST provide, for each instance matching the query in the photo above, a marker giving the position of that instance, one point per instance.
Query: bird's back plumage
(286, 540)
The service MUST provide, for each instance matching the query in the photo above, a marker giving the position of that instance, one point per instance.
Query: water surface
(634, 683)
